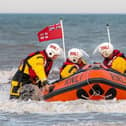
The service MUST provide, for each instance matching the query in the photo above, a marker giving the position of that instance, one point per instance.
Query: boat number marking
(117, 78)
(75, 79)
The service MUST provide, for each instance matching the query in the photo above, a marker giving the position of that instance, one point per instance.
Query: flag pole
(108, 32)
(64, 49)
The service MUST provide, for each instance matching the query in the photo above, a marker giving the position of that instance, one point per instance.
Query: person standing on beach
(35, 69)
(73, 63)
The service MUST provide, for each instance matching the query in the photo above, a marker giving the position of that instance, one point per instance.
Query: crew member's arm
(68, 70)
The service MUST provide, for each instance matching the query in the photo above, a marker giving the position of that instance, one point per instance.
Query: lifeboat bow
(93, 82)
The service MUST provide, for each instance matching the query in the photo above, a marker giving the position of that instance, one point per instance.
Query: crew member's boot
(14, 91)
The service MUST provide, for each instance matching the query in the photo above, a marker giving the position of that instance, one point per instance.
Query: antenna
(108, 32)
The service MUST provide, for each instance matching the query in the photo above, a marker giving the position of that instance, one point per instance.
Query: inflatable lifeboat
(93, 82)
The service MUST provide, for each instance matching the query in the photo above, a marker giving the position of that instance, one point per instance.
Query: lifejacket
(47, 64)
(116, 53)
(69, 68)
(119, 64)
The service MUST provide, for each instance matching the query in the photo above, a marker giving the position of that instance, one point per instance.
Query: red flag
(50, 32)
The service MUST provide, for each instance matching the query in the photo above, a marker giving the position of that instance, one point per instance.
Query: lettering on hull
(118, 78)
(74, 80)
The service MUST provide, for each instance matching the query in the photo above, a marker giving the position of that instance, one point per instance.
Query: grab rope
(94, 92)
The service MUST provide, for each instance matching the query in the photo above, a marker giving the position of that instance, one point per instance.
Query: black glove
(41, 84)
(45, 83)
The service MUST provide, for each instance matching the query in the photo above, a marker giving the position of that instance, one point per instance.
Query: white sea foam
(6, 75)
(78, 106)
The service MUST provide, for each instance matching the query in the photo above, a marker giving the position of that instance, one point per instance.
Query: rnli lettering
(118, 78)
(75, 79)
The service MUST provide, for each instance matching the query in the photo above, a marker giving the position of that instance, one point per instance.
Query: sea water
(18, 38)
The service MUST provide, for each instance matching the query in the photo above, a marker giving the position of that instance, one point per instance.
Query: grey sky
(62, 6)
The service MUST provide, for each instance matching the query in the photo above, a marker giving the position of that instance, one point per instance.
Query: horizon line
(57, 13)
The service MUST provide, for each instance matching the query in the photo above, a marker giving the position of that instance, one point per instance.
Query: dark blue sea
(18, 38)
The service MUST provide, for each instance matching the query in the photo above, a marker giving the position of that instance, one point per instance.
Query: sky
(62, 6)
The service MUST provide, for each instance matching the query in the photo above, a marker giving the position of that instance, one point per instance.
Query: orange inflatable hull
(92, 83)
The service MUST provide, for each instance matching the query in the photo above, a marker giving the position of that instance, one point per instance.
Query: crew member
(35, 69)
(73, 63)
(113, 58)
